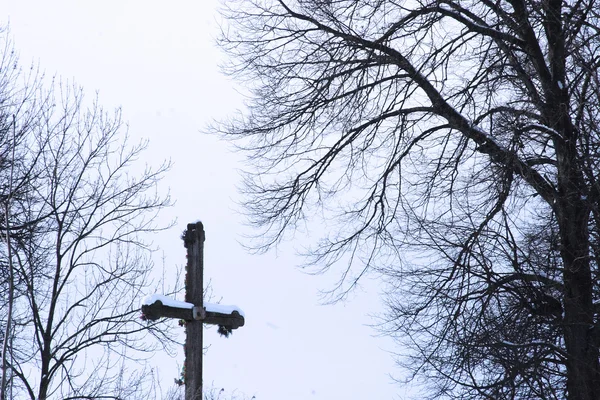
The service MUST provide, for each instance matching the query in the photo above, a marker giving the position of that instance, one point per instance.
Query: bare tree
(451, 146)
(82, 207)
(15, 179)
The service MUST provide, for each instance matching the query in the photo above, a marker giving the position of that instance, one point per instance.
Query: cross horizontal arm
(231, 320)
(158, 310)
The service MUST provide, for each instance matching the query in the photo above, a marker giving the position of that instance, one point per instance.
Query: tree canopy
(451, 146)
(75, 258)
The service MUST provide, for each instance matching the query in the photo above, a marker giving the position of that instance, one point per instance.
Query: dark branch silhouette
(453, 148)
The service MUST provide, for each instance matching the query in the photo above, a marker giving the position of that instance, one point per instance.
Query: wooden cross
(194, 311)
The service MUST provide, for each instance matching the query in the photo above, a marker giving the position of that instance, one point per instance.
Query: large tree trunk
(583, 377)
(583, 371)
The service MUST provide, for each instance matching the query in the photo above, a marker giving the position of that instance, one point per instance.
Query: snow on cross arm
(169, 302)
(166, 301)
(223, 309)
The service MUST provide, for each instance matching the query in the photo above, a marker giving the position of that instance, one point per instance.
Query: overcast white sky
(158, 61)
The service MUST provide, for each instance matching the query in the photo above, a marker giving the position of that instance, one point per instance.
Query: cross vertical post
(193, 311)
(194, 243)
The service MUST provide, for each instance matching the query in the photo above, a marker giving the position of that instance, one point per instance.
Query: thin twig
(10, 272)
